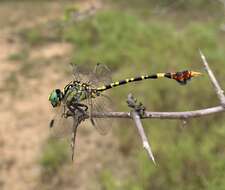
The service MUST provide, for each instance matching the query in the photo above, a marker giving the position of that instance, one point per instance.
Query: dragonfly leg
(90, 114)
(82, 106)
(78, 106)
(64, 113)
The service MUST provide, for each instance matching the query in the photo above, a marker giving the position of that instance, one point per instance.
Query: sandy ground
(24, 119)
(25, 113)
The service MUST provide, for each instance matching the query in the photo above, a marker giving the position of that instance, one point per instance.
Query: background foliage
(138, 37)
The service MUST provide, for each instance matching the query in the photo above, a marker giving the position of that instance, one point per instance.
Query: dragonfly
(81, 94)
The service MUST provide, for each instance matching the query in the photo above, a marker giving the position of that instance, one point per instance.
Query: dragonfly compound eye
(55, 97)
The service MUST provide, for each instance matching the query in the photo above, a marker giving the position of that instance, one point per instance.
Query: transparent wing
(63, 129)
(101, 75)
(60, 127)
(76, 72)
(100, 104)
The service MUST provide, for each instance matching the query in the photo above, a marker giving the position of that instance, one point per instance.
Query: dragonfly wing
(102, 125)
(76, 72)
(60, 127)
(101, 75)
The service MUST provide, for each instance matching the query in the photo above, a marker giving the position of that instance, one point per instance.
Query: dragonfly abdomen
(128, 80)
(180, 77)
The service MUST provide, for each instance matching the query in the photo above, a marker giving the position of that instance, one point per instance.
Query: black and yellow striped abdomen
(181, 77)
(128, 80)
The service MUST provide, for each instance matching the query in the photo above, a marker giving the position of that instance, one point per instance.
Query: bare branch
(163, 115)
(215, 83)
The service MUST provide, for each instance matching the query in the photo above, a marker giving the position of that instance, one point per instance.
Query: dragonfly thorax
(76, 92)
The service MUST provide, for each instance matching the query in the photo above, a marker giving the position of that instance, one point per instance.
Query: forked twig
(138, 110)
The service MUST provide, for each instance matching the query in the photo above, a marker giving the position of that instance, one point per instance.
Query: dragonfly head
(184, 76)
(56, 97)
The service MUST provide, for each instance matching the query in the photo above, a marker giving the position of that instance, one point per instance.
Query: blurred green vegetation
(18, 56)
(139, 37)
(38, 35)
(176, 10)
(54, 156)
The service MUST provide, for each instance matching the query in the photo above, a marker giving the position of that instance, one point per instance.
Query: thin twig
(215, 83)
(139, 110)
(146, 144)
(78, 117)
(161, 115)
(75, 125)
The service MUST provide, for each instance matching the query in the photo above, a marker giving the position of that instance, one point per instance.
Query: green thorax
(75, 92)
